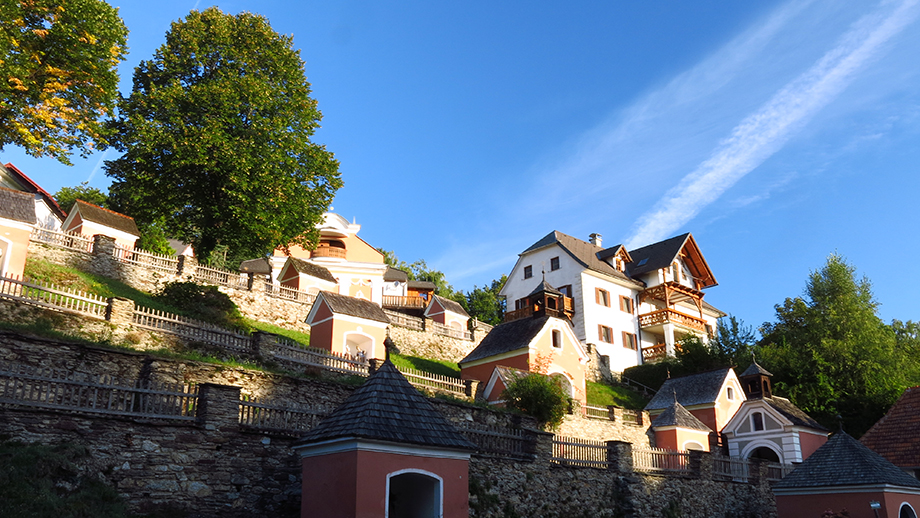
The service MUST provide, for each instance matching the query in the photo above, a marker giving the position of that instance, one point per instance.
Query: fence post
(250, 280)
(619, 456)
(612, 412)
(119, 311)
(103, 260)
(470, 388)
(701, 464)
(260, 344)
(188, 266)
(218, 406)
(539, 444)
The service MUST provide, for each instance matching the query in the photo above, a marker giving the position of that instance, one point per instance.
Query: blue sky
(775, 132)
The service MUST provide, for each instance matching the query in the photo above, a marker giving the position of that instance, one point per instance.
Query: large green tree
(216, 139)
(66, 196)
(58, 74)
(485, 303)
(831, 353)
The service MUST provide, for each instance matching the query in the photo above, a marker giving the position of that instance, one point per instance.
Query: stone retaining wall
(577, 425)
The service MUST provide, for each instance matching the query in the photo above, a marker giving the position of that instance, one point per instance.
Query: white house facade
(634, 306)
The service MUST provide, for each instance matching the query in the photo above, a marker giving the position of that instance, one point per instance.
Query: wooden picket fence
(191, 329)
(403, 320)
(310, 356)
(261, 414)
(419, 378)
(57, 389)
(572, 451)
(285, 293)
(49, 296)
(160, 262)
(73, 241)
(501, 442)
(234, 280)
(659, 460)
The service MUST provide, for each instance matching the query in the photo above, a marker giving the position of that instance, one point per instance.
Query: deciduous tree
(831, 353)
(216, 139)
(66, 196)
(58, 74)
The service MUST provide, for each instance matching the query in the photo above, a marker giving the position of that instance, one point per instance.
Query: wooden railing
(403, 320)
(502, 442)
(191, 329)
(73, 241)
(423, 379)
(655, 459)
(654, 353)
(670, 316)
(280, 417)
(777, 471)
(338, 253)
(50, 296)
(731, 468)
(283, 292)
(633, 417)
(160, 262)
(399, 301)
(226, 278)
(598, 412)
(452, 332)
(572, 451)
(289, 351)
(55, 389)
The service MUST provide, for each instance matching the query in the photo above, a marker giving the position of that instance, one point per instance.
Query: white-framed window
(757, 421)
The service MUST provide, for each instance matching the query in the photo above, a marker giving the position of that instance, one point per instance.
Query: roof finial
(840, 422)
(669, 372)
(675, 394)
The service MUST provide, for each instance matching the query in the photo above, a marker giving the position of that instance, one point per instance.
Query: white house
(634, 306)
(48, 213)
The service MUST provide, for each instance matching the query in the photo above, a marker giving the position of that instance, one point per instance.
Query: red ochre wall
(857, 504)
(354, 484)
(810, 442)
(707, 416)
(484, 371)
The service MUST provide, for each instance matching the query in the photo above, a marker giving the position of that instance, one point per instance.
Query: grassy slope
(443, 367)
(600, 394)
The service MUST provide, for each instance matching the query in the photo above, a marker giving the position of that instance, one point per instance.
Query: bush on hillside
(538, 396)
(205, 303)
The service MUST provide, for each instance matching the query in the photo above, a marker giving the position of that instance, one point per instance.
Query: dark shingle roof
(583, 252)
(696, 389)
(421, 285)
(843, 461)
(17, 205)
(353, 306)
(507, 337)
(109, 218)
(313, 270)
(451, 305)
(544, 287)
(30, 186)
(793, 413)
(754, 370)
(896, 436)
(260, 265)
(387, 408)
(677, 415)
(392, 274)
(656, 255)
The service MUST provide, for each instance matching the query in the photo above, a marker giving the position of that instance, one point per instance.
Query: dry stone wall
(577, 425)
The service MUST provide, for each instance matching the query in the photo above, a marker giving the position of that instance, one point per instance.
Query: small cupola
(545, 297)
(755, 381)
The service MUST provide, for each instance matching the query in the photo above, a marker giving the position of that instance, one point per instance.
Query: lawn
(442, 367)
(600, 394)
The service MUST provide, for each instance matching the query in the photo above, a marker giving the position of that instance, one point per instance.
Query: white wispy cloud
(761, 134)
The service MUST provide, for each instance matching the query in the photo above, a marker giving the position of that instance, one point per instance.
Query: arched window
(414, 494)
(757, 421)
(764, 453)
(693, 445)
(907, 511)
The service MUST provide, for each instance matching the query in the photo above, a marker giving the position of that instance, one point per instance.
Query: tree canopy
(58, 64)
(216, 139)
(832, 355)
(66, 196)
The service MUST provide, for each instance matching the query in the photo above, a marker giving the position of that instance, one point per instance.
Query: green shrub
(538, 396)
(205, 303)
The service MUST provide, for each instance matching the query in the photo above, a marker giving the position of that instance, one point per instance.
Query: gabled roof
(613, 251)
(507, 337)
(661, 254)
(387, 408)
(677, 415)
(260, 265)
(29, 186)
(696, 389)
(17, 205)
(421, 285)
(896, 436)
(393, 274)
(311, 269)
(582, 252)
(449, 305)
(106, 217)
(544, 287)
(843, 461)
(352, 306)
(794, 414)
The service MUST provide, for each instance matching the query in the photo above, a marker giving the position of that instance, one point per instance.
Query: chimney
(595, 239)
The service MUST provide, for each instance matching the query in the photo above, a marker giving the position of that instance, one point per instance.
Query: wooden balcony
(654, 353)
(672, 293)
(529, 310)
(670, 316)
(400, 302)
(328, 251)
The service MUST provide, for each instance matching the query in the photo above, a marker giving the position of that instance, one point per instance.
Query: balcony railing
(336, 253)
(670, 316)
(567, 311)
(399, 301)
(654, 353)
